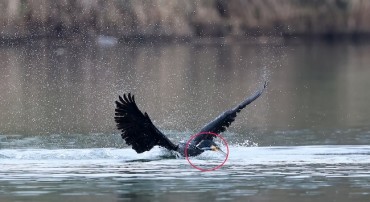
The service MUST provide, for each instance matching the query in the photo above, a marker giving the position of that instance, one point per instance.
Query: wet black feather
(223, 121)
(139, 131)
(137, 128)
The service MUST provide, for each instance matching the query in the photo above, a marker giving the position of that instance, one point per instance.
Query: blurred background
(178, 20)
(63, 63)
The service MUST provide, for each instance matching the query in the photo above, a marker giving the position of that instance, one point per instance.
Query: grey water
(306, 138)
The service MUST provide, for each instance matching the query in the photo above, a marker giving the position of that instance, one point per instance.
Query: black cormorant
(139, 131)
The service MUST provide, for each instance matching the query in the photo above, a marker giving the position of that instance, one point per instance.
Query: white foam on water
(323, 154)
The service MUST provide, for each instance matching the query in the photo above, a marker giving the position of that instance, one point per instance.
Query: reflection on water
(45, 90)
(58, 139)
(338, 173)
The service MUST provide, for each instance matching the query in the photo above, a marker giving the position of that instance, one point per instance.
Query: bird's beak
(216, 148)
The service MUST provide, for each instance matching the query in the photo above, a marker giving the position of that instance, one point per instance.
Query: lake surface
(306, 138)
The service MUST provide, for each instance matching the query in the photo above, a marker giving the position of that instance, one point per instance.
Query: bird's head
(209, 145)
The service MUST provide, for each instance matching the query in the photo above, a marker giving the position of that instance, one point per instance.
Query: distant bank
(179, 19)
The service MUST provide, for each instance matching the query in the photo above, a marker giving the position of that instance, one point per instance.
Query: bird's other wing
(137, 128)
(223, 121)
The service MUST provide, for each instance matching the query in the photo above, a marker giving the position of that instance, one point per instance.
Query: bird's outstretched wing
(137, 128)
(223, 121)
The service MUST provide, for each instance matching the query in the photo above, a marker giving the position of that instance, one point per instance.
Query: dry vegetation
(175, 18)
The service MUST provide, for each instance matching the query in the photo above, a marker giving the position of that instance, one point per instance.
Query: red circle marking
(211, 169)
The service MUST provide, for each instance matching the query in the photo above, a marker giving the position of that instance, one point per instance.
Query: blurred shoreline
(77, 40)
(193, 20)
